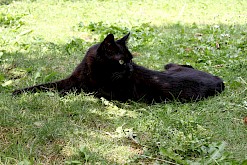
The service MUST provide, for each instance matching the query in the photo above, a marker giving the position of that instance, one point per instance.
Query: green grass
(43, 41)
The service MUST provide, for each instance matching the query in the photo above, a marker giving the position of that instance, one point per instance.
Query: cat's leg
(42, 87)
(170, 65)
(175, 66)
(61, 86)
(187, 66)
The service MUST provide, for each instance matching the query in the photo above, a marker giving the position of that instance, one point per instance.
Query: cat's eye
(121, 62)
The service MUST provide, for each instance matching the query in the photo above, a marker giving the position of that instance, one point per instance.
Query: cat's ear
(124, 39)
(109, 39)
(107, 43)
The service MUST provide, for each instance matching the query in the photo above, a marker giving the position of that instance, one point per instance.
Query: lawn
(43, 41)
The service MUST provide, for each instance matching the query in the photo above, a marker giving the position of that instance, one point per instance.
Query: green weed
(8, 20)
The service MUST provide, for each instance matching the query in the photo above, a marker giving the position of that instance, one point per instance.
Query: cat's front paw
(17, 92)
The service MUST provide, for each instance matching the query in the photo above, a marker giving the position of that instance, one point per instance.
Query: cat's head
(115, 55)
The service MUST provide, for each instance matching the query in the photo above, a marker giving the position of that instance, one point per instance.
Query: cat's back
(194, 78)
(188, 72)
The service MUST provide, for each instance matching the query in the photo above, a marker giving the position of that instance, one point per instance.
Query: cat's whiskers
(116, 76)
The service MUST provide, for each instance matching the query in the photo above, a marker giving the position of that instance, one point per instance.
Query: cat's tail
(61, 86)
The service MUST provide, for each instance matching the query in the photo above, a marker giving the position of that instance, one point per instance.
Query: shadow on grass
(59, 127)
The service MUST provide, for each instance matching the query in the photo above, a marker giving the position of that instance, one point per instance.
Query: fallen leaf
(188, 49)
(198, 34)
(136, 54)
(217, 45)
(245, 120)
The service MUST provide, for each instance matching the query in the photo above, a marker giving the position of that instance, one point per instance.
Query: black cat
(107, 71)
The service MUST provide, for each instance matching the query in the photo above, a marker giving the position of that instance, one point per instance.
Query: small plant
(8, 20)
(75, 45)
(140, 35)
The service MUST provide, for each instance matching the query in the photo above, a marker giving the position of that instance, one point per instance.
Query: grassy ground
(42, 41)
